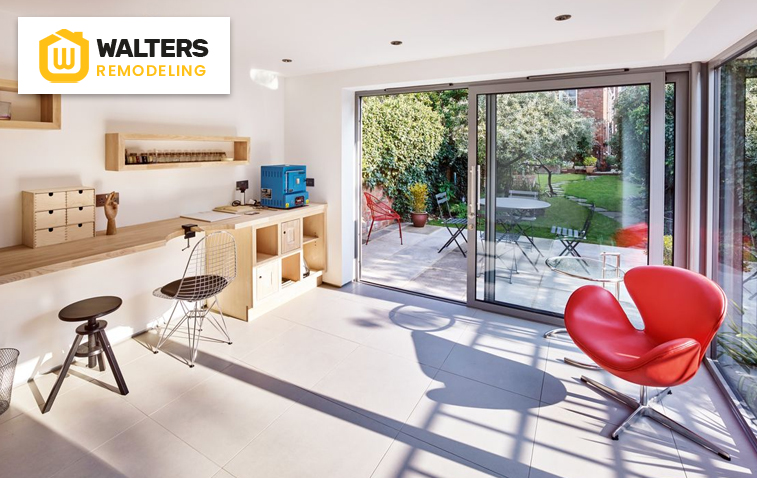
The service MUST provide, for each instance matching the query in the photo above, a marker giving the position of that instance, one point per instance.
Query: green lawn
(566, 213)
(603, 191)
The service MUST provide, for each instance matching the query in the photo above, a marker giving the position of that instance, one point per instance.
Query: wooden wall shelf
(49, 110)
(115, 151)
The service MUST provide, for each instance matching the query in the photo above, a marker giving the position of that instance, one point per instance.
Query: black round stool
(97, 342)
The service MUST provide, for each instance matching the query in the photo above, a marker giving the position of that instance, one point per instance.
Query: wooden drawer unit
(80, 197)
(267, 279)
(50, 236)
(78, 215)
(75, 232)
(47, 212)
(49, 218)
(290, 236)
(49, 200)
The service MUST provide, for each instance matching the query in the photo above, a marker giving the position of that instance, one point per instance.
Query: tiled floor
(418, 266)
(360, 382)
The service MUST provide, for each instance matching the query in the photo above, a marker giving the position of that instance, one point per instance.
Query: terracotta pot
(590, 169)
(419, 218)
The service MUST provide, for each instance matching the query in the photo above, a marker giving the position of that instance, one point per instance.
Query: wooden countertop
(21, 262)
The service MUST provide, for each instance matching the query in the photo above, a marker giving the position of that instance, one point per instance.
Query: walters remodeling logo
(69, 61)
(124, 55)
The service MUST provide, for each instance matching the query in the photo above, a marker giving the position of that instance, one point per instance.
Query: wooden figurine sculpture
(111, 210)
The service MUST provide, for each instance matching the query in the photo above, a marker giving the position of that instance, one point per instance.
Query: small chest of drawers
(53, 216)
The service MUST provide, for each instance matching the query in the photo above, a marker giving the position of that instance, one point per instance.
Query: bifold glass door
(569, 185)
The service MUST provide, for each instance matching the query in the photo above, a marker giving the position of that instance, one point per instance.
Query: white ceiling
(327, 35)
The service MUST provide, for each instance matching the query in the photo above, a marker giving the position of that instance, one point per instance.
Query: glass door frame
(656, 80)
(709, 207)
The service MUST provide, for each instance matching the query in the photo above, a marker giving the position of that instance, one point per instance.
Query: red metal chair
(682, 312)
(381, 212)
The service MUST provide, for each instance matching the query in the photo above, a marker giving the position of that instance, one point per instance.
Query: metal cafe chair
(450, 222)
(211, 267)
(571, 238)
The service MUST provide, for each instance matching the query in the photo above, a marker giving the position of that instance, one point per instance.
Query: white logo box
(159, 74)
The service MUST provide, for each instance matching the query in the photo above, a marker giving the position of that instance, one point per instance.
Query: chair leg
(62, 375)
(100, 358)
(108, 351)
(163, 336)
(399, 224)
(643, 408)
(686, 433)
(369, 232)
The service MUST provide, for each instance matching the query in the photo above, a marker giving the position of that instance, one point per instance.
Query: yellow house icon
(64, 57)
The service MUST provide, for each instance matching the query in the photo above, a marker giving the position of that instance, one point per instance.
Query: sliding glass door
(735, 247)
(569, 182)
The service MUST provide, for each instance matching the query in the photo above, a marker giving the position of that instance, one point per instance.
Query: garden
(571, 156)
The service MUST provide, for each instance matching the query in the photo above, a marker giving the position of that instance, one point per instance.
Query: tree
(630, 141)
(401, 135)
(539, 130)
(452, 158)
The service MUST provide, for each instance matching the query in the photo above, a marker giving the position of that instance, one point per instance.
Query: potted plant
(418, 197)
(591, 163)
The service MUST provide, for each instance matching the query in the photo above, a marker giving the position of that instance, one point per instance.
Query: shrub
(401, 136)
(418, 197)
(590, 161)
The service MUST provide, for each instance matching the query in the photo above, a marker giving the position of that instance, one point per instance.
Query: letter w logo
(76, 63)
(62, 65)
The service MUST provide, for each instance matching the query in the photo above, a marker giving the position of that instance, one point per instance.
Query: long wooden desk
(21, 262)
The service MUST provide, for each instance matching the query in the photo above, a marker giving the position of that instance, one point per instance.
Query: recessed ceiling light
(562, 18)
(286, 60)
(396, 42)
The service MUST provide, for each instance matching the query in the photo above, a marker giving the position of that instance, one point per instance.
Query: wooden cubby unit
(291, 269)
(47, 116)
(313, 243)
(267, 274)
(116, 147)
(266, 243)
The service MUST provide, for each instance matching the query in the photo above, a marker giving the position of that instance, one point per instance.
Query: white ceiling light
(268, 79)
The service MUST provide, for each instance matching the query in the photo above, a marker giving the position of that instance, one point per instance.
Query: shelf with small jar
(133, 151)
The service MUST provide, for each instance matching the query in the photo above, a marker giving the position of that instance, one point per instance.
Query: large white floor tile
(572, 445)
(498, 360)
(158, 379)
(695, 405)
(30, 448)
(301, 355)
(145, 450)
(223, 414)
(350, 320)
(88, 416)
(411, 458)
(489, 426)
(379, 384)
(315, 438)
(424, 336)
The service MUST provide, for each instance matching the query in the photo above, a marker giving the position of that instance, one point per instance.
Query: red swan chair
(682, 312)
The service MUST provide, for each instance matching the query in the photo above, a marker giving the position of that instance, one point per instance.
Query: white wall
(320, 113)
(74, 155)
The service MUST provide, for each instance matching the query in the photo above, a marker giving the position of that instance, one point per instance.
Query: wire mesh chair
(211, 267)
(381, 212)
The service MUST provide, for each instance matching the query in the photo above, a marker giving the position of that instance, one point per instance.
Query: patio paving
(418, 266)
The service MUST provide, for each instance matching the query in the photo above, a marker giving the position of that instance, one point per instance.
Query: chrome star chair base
(212, 266)
(643, 408)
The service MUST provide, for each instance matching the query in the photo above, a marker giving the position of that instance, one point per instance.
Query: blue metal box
(283, 186)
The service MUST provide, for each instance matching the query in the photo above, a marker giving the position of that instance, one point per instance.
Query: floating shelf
(49, 110)
(116, 147)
